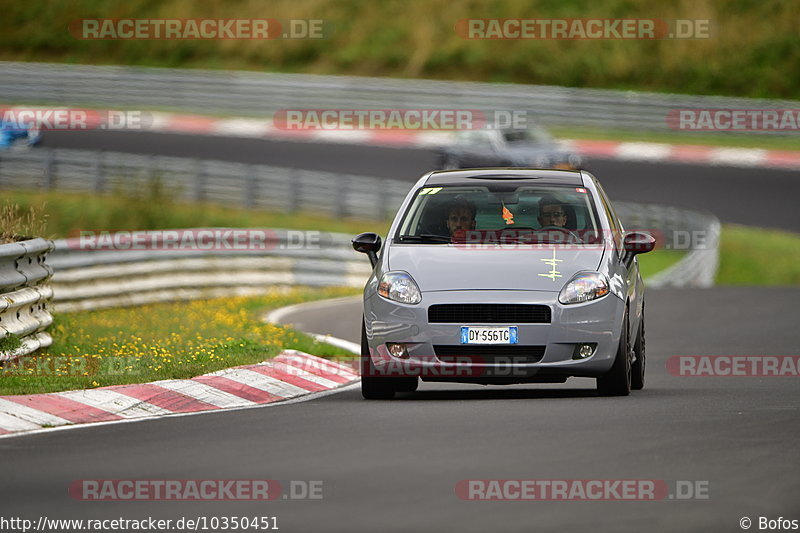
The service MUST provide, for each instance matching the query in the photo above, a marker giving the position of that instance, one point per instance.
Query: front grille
(489, 314)
(488, 354)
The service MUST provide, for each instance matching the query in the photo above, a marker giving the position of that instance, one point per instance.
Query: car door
(626, 265)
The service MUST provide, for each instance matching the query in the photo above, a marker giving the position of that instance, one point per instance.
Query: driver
(460, 215)
(552, 212)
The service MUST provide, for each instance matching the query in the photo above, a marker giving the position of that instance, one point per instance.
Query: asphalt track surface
(750, 196)
(393, 466)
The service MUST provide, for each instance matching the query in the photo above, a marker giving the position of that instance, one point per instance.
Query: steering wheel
(569, 233)
(516, 228)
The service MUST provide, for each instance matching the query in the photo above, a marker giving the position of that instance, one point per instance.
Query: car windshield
(501, 213)
(474, 137)
(533, 135)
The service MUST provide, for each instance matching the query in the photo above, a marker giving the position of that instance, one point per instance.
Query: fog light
(582, 351)
(397, 350)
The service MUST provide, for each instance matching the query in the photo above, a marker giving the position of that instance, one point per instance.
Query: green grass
(768, 142)
(161, 341)
(747, 256)
(17, 223)
(756, 256)
(753, 51)
(68, 214)
(657, 260)
(10, 343)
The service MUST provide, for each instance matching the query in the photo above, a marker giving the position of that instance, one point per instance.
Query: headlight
(400, 287)
(584, 287)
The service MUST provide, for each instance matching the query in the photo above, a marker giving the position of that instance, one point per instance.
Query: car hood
(437, 267)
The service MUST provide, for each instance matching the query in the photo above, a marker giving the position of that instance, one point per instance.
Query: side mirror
(638, 243)
(368, 243)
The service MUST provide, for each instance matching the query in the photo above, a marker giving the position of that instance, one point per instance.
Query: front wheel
(617, 382)
(637, 370)
(373, 387)
(407, 384)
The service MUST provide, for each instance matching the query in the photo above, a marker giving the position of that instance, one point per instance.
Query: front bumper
(598, 322)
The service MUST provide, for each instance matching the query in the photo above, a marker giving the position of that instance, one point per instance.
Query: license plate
(489, 335)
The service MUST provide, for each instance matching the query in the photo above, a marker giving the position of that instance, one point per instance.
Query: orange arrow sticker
(508, 216)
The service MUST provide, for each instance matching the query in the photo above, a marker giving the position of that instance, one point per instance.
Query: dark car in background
(528, 147)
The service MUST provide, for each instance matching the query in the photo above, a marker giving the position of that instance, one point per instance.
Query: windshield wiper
(425, 237)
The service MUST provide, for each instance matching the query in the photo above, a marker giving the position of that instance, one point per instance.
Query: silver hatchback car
(499, 276)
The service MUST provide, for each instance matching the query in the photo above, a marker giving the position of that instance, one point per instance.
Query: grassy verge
(161, 341)
(656, 261)
(767, 142)
(756, 256)
(747, 256)
(68, 214)
(18, 223)
(752, 49)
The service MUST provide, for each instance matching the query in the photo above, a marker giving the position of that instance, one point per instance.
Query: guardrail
(261, 94)
(25, 295)
(101, 279)
(695, 232)
(190, 180)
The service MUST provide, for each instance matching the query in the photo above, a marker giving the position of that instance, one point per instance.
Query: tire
(409, 384)
(617, 382)
(372, 387)
(637, 370)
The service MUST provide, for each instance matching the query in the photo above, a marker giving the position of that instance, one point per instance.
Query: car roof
(483, 176)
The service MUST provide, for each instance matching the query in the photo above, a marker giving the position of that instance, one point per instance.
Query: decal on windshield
(508, 216)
